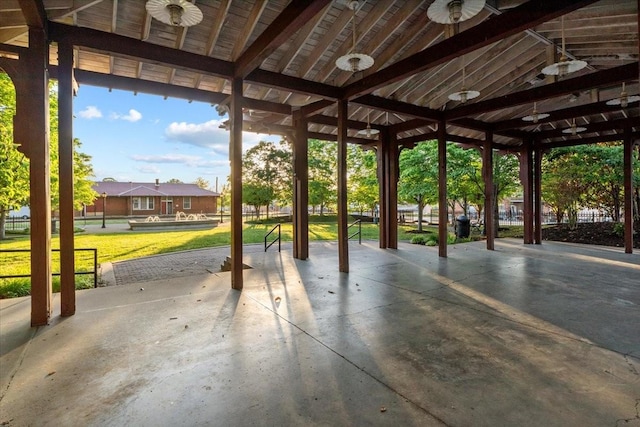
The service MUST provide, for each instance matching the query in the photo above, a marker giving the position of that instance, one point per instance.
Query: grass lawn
(119, 246)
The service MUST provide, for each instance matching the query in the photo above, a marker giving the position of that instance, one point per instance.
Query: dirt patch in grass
(599, 233)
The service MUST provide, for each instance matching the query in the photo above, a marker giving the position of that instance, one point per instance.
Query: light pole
(104, 205)
(221, 206)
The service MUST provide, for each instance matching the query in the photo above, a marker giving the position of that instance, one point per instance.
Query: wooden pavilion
(278, 57)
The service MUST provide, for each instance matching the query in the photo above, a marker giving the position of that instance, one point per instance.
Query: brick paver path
(172, 265)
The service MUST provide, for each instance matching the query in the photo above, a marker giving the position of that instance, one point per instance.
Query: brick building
(144, 199)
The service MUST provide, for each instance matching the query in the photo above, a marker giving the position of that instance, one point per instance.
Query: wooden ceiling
(286, 52)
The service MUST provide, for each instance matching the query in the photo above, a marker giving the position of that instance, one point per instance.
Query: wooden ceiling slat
(600, 78)
(513, 21)
(323, 44)
(292, 18)
(247, 30)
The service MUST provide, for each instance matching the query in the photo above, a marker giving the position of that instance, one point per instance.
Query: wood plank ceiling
(287, 52)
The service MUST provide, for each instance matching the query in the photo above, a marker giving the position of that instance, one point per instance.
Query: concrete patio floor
(545, 335)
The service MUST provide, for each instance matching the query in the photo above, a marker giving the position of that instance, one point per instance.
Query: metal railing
(16, 223)
(94, 272)
(357, 233)
(277, 239)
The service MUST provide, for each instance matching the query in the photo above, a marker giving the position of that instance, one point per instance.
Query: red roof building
(145, 199)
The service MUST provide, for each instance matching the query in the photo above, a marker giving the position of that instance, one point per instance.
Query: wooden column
(32, 129)
(443, 209)
(628, 192)
(65, 154)
(489, 200)
(235, 155)
(383, 220)
(537, 193)
(300, 188)
(526, 178)
(343, 235)
(389, 180)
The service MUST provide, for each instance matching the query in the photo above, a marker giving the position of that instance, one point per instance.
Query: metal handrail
(357, 233)
(94, 272)
(277, 239)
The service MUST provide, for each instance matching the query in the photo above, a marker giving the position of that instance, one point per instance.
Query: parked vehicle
(24, 213)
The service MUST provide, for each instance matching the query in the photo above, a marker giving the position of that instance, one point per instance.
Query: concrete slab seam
(407, 399)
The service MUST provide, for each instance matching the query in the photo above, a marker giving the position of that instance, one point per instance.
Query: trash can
(54, 228)
(463, 226)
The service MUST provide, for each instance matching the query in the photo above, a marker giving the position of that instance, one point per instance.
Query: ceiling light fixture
(574, 129)
(464, 95)
(368, 132)
(564, 66)
(354, 61)
(535, 116)
(177, 13)
(454, 11)
(624, 100)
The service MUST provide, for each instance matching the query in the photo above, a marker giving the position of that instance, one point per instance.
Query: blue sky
(143, 137)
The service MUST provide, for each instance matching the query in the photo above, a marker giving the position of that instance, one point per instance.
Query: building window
(186, 202)
(142, 203)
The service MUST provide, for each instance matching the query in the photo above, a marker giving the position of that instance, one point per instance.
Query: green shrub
(418, 240)
(432, 243)
(618, 229)
(21, 287)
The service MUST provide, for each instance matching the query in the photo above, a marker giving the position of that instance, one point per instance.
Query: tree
(362, 187)
(14, 167)
(202, 183)
(174, 181)
(268, 175)
(322, 174)
(419, 176)
(585, 176)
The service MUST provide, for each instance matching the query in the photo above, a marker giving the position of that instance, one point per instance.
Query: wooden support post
(235, 154)
(628, 191)
(33, 120)
(526, 178)
(343, 235)
(537, 193)
(394, 176)
(383, 220)
(489, 199)
(65, 155)
(443, 209)
(301, 188)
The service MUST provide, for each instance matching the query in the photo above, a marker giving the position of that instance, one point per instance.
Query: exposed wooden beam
(512, 22)
(142, 86)
(138, 49)
(292, 18)
(565, 113)
(34, 13)
(315, 107)
(609, 125)
(564, 87)
(399, 107)
(333, 121)
(247, 30)
(293, 84)
(585, 141)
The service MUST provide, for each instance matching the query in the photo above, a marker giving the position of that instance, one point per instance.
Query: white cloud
(132, 117)
(91, 112)
(210, 135)
(183, 159)
(207, 134)
(149, 169)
